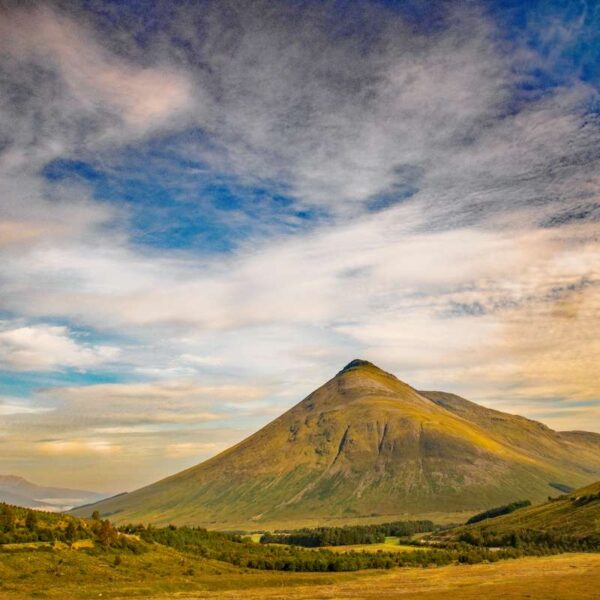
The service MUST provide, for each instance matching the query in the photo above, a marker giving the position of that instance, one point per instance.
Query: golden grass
(164, 574)
(563, 577)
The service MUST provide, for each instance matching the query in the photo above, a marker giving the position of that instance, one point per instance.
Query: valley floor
(561, 577)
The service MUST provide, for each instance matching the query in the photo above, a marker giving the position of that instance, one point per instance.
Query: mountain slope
(365, 443)
(20, 492)
(575, 450)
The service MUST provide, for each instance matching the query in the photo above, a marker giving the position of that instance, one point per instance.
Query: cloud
(169, 402)
(46, 348)
(186, 449)
(77, 447)
(69, 71)
(15, 406)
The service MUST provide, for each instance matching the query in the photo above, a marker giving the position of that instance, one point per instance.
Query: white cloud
(46, 348)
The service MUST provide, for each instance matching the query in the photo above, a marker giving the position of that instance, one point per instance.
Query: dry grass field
(74, 576)
(562, 577)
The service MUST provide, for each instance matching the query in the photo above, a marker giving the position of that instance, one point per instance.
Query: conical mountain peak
(366, 443)
(363, 365)
(367, 373)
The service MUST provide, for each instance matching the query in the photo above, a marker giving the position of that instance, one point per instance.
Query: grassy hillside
(572, 516)
(367, 445)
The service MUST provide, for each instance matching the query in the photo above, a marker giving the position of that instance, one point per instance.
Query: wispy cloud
(72, 89)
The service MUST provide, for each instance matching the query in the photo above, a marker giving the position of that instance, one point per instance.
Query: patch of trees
(583, 500)
(347, 535)
(533, 542)
(196, 540)
(498, 511)
(21, 525)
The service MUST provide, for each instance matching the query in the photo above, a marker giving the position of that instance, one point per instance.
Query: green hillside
(574, 515)
(367, 445)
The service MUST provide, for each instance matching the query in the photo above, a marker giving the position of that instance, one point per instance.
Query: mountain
(20, 492)
(574, 515)
(367, 444)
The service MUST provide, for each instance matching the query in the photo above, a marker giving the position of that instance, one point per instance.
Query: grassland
(564, 577)
(165, 575)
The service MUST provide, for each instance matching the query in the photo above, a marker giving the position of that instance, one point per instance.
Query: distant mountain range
(366, 444)
(20, 492)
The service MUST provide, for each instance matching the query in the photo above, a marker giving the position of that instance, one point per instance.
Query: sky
(208, 208)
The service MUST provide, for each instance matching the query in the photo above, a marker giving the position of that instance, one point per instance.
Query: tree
(7, 519)
(96, 515)
(31, 520)
(106, 533)
(71, 533)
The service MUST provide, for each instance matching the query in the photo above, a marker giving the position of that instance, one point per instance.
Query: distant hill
(366, 444)
(20, 492)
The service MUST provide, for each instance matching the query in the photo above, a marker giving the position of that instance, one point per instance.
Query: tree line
(347, 535)
(532, 541)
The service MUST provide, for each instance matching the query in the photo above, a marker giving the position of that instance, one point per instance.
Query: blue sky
(207, 209)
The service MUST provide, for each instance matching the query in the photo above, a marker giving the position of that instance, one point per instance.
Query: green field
(391, 545)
